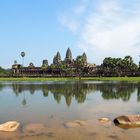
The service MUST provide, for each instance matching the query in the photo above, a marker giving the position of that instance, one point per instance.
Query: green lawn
(134, 79)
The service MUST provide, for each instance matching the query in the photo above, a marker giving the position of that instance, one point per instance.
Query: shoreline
(28, 79)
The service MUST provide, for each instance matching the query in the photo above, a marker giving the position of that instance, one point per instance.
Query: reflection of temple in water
(68, 90)
(78, 90)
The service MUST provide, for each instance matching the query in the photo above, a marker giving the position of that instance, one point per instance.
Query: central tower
(68, 55)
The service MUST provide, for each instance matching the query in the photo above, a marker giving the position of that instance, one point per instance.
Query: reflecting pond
(47, 106)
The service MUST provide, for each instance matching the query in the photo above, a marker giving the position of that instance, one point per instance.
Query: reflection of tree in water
(24, 102)
(80, 94)
(117, 91)
(79, 90)
(17, 88)
(32, 89)
(138, 93)
(1, 87)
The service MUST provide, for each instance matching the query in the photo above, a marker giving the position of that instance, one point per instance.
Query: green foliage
(22, 54)
(43, 67)
(119, 65)
(52, 66)
(62, 66)
(80, 61)
(4, 72)
(132, 79)
(78, 90)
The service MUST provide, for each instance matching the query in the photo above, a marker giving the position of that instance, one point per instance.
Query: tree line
(4, 72)
(80, 68)
(78, 90)
(119, 67)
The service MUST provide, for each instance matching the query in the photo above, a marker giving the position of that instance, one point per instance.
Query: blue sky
(101, 28)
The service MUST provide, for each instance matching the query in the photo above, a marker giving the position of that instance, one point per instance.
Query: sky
(40, 28)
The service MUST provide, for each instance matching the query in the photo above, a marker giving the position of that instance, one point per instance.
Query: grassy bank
(134, 79)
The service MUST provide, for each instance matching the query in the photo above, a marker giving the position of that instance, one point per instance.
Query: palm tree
(80, 65)
(118, 66)
(15, 62)
(24, 102)
(22, 55)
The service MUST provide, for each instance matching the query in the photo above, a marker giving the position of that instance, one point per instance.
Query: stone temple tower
(85, 58)
(45, 63)
(68, 55)
(57, 59)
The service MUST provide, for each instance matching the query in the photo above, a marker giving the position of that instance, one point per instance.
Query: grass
(134, 79)
(27, 79)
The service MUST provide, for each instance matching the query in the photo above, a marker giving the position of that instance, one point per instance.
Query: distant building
(57, 59)
(66, 67)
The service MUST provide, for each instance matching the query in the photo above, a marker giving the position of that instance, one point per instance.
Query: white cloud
(111, 31)
(81, 8)
(109, 28)
(69, 23)
(70, 19)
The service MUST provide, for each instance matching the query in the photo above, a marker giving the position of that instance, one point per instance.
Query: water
(48, 106)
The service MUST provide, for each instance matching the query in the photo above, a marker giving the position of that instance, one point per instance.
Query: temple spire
(57, 59)
(85, 58)
(45, 63)
(68, 55)
(58, 56)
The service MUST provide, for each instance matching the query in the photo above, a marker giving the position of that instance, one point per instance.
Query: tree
(22, 55)
(15, 62)
(4, 72)
(31, 65)
(128, 64)
(24, 101)
(117, 66)
(80, 62)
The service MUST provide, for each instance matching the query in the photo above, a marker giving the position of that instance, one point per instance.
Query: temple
(66, 67)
